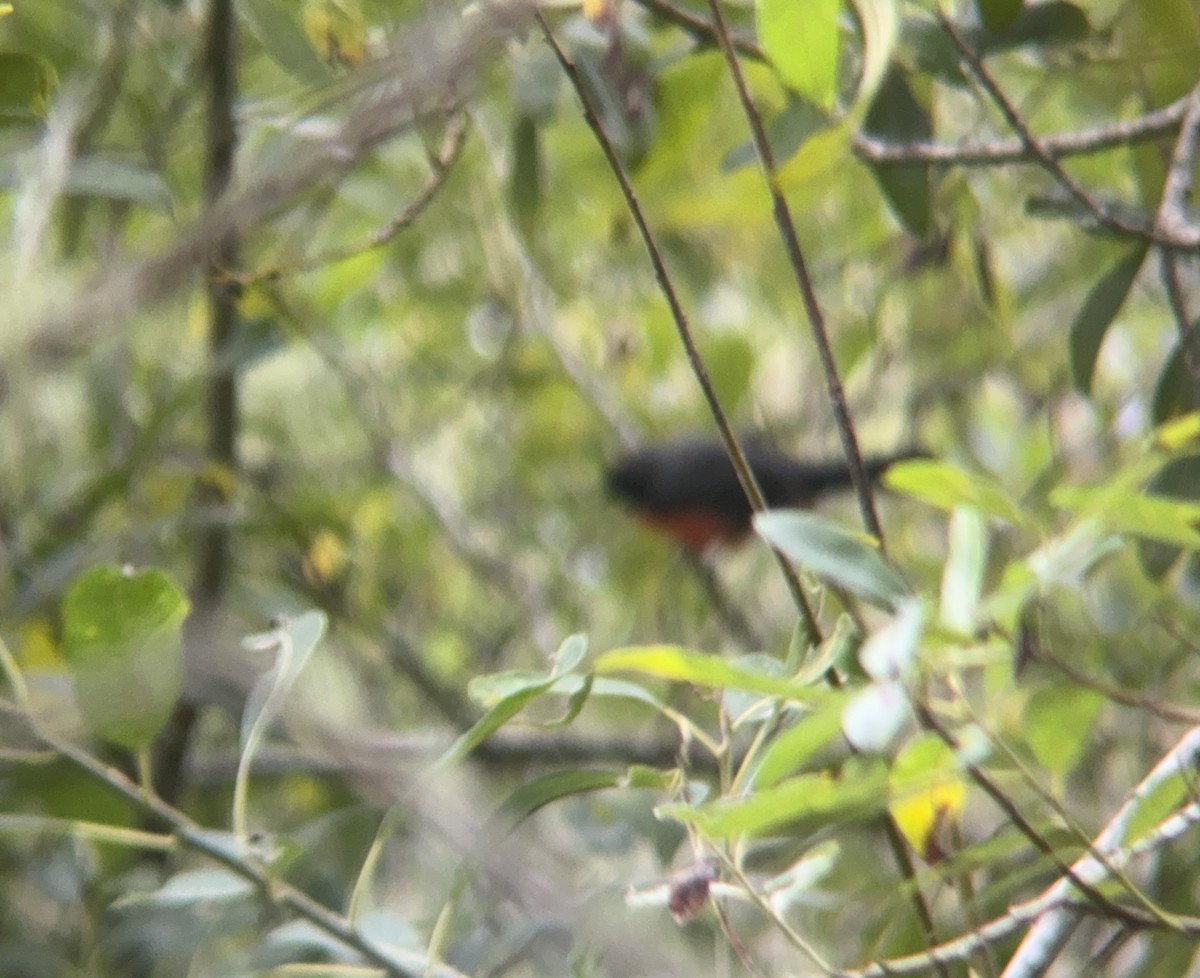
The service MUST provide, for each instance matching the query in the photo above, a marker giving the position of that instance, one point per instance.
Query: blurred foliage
(426, 405)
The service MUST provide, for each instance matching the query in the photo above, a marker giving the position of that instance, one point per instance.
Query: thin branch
(213, 546)
(1062, 895)
(683, 327)
(1023, 825)
(998, 152)
(1172, 219)
(219, 847)
(812, 306)
(1051, 929)
(422, 79)
(441, 164)
(1105, 215)
(989, 152)
(1166, 711)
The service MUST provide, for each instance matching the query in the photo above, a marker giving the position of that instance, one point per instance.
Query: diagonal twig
(1104, 214)
(812, 306)
(683, 326)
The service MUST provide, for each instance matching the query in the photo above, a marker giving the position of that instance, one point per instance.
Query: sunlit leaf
(677, 664)
(857, 794)
(801, 39)
(122, 638)
(948, 487)
(795, 746)
(929, 792)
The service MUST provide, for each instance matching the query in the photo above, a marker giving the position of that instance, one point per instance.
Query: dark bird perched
(688, 489)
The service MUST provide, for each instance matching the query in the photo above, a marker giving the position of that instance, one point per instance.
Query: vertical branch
(213, 546)
(683, 326)
(1172, 219)
(812, 306)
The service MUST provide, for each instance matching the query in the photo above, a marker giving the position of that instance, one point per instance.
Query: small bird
(688, 489)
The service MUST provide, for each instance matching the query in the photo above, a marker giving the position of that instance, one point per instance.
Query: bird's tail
(810, 481)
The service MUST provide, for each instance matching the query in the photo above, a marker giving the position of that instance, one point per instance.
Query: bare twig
(220, 849)
(999, 152)
(1023, 825)
(1062, 896)
(683, 326)
(812, 306)
(441, 164)
(1172, 219)
(1167, 711)
(984, 152)
(1104, 214)
(422, 79)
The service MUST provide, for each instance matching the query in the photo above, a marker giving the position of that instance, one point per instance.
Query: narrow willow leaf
(962, 577)
(857, 794)
(1100, 308)
(880, 23)
(896, 114)
(674, 663)
(831, 552)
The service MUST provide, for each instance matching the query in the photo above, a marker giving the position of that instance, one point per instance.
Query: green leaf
(962, 577)
(880, 23)
(569, 655)
(948, 487)
(788, 888)
(998, 14)
(801, 40)
(1175, 392)
(796, 745)
(896, 115)
(27, 85)
(284, 41)
(507, 707)
(525, 176)
(1101, 307)
(194, 886)
(1161, 518)
(711, 671)
(1167, 797)
(1047, 24)
(730, 358)
(861, 791)
(1058, 723)
(122, 638)
(834, 553)
(117, 180)
(1178, 479)
(786, 133)
(536, 794)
